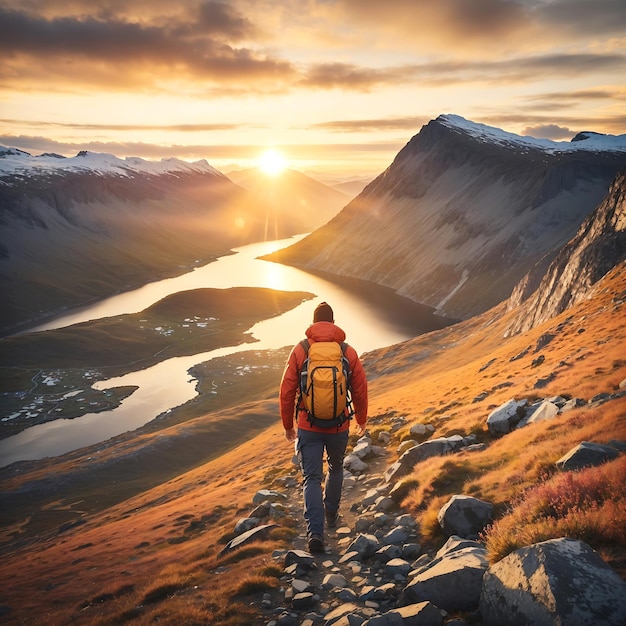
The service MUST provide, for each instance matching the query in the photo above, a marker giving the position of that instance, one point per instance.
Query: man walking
(320, 505)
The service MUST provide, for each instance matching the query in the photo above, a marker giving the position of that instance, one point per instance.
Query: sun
(272, 162)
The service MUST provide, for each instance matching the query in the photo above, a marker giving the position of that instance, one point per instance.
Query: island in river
(50, 375)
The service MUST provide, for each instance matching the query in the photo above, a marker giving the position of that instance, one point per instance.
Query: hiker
(314, 435)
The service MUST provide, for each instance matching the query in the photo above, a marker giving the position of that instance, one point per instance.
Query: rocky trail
(374, 572)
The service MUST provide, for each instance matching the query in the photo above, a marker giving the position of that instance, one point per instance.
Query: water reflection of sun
(272, 162)
(273, 276)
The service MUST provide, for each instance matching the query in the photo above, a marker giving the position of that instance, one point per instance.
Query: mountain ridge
(456, 221)
(150, 545)
(598, 246)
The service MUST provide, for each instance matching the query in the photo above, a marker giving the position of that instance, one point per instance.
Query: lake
(371, 316)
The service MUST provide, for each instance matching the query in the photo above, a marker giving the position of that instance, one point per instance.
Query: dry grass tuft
(256, 583)
(164, 588)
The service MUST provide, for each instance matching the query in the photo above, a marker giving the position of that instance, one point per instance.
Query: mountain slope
(463, 212)
(81, 228)
(100, 560)
(599, 245)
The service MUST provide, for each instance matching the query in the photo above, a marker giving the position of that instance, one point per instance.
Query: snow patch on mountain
(585, 141)
(20, 163)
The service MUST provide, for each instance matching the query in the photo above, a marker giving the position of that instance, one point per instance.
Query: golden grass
(255, 583)
(163, 541)
(437, 379)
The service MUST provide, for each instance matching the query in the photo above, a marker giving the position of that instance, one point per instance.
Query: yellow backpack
(325, 383)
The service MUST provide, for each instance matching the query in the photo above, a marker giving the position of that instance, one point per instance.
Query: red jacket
(290, 383)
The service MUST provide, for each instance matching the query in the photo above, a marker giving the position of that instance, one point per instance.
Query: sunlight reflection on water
(372, 317)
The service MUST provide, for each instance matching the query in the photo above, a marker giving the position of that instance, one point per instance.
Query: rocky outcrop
(520, 413)
(599, 245)
(462, 213)
(433, 447)
(561, 581)
(464, 516)
(453, 580)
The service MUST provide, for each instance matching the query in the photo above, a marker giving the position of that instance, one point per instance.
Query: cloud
(529, 119)
(348, 76)
(191, 128)
(39, 144)
(582, 17)
(99, 50)
(453, 72)
(223, 19)
(443, 21)
(374, 125)
(499, 24)
(214, 48)
(549, 131)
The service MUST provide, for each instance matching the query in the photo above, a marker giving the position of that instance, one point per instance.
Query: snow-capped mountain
(463, 212)
(22, 164)
(77, 229)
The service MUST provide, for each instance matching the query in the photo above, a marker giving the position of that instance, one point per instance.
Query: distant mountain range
(302, 203)
(463, 213)
(82, 228)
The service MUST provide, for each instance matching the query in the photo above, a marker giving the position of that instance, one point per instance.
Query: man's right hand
(290, 435)
(360, 429)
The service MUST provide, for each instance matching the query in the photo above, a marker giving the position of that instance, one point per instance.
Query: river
(372, 317)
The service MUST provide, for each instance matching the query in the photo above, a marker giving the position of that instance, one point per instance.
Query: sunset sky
(338, 86)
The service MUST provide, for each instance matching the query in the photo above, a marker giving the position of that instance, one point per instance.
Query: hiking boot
(316, 544)
(331, 518)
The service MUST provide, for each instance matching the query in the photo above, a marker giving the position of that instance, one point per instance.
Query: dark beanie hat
(323, 313)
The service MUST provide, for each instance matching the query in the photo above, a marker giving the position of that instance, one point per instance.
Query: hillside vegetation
(155, 556)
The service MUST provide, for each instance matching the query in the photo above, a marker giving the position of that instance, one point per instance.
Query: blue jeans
(310, 448)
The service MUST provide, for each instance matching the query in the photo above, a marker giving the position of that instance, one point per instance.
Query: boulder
(348, 614)
(407, 444)
(434, 447)
(302, 601)
(421, 614)
(464, 516)
(364, 545)
(455, 543)
(384, 437)
(574, 403)
(354, 464)
(256, 534)
(586, 454)
(267, 495)
(397, 567)
(503, 419)
(396, 536)
(334, 580)
(245, 524)
(363, 448)
(388, 552)
(560, 581)
(545, 411)
(422, 431)
(452, 582)
(387, 619)
(301, 558)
